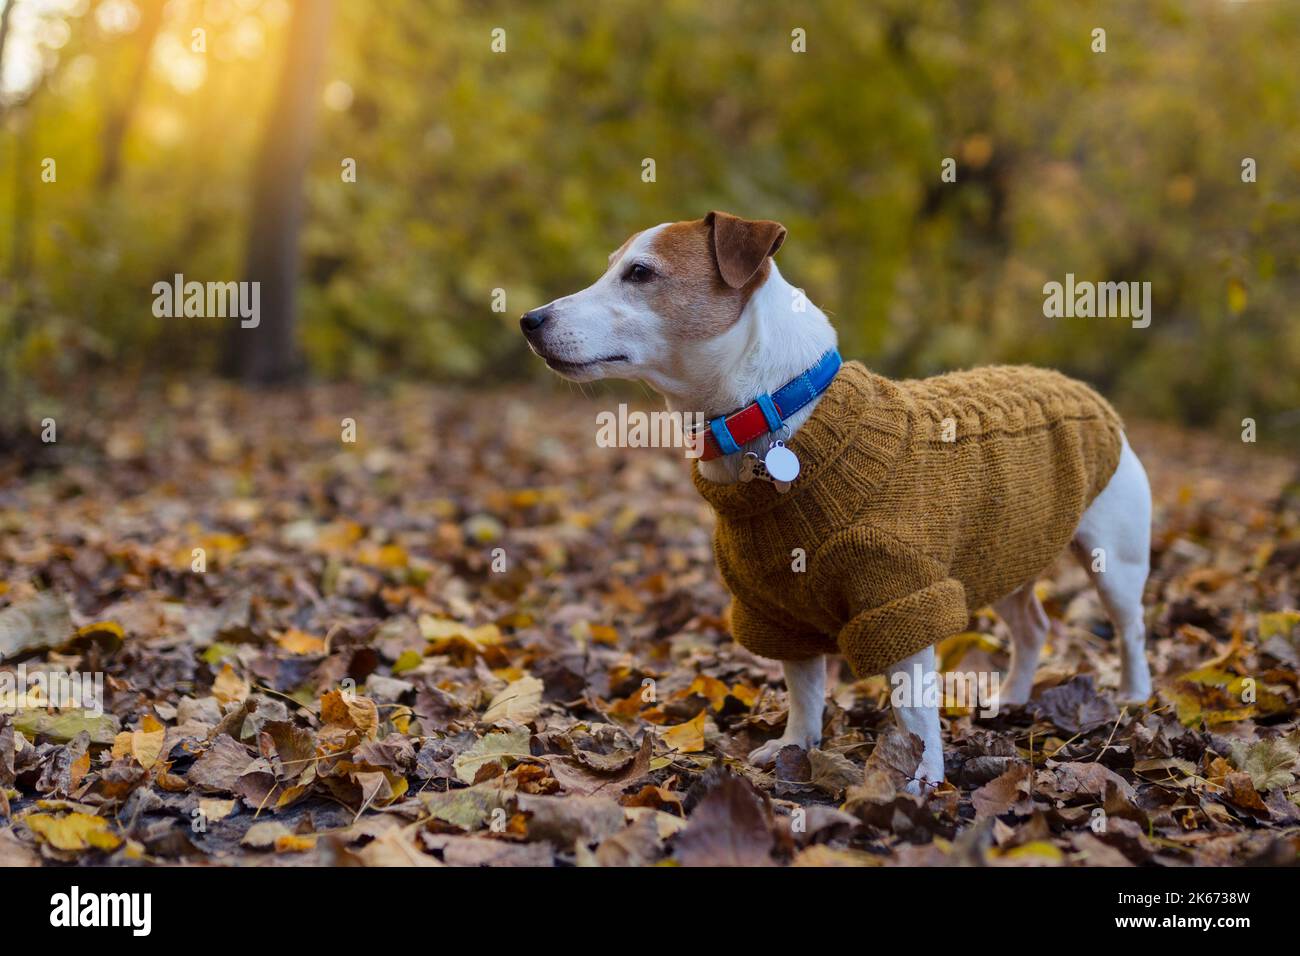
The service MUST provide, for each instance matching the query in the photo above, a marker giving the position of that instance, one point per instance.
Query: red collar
(768, 412)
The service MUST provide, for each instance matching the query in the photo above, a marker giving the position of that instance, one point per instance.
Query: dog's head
(667, 291)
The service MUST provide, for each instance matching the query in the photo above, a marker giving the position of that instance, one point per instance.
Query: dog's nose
(534, 320)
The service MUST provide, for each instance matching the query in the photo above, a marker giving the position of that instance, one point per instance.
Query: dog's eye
(639, 273)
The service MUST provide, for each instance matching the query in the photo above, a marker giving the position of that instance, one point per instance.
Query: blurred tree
(268, 353)
(505, 173)
(120, 113)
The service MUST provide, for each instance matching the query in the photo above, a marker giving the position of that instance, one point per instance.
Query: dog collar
(767, 413)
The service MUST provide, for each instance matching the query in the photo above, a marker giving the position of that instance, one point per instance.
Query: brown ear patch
(692, 296)
(742, 246)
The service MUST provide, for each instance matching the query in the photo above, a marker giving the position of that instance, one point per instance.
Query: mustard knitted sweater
(904, 533)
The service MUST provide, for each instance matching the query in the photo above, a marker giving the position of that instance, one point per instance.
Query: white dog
(699, 312)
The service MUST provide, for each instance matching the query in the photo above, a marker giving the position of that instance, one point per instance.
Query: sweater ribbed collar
(860, 409)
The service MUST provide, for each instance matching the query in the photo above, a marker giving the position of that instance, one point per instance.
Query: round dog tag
(781, 463)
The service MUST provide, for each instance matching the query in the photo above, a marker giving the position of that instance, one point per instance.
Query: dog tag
(747, 466)
(781, 463)
(781, 487)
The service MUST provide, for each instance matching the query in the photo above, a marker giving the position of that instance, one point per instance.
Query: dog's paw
(929, 775)
(1009, 699)
(1133, 697)
(766, 754)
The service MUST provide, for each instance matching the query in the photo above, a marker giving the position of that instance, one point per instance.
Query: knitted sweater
(904, 533)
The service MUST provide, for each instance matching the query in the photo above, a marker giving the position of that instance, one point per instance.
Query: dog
(699, 311)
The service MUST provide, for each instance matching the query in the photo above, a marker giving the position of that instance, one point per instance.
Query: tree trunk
(267, 354)
(119, 117)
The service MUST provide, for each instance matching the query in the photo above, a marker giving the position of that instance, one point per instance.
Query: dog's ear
(741, 246)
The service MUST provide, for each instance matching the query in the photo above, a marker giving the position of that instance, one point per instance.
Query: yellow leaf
(526, 498)
(290, 795)
(398, 784)
(292, 843)
(442, 632)
(687, 738)
(521, 701)
(710, 688)
(216, 809)
(952, 649)
(79, 768)
(1218, 696)
(1036, 852)
(73, 831)
(388, 556)
(147, 742)
(229, 687)
(298, 642)
(350, 712)
(629, 708)
(407, 661)
(1278, 624)
(603, 634)
(103, 632)
(122, 745)
(745, 694)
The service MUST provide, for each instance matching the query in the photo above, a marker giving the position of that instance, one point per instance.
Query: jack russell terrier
(886, 511)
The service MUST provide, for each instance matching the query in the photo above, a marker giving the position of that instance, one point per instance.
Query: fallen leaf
(73, 831)
(1005, 794)
(63, 727)
(731, 826)
(686, 738)
(1075, 706)
(39, 622)
(297, 642)
(1270, 763)
(502, 749)
(520, 702)
(229, 687)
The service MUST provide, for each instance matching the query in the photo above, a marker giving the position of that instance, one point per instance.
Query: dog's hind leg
(1025, 618)
(1113, 543)
(806, 682)
(915, 717)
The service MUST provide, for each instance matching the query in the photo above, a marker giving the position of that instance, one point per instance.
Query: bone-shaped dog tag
(748, 466)
(782, 464)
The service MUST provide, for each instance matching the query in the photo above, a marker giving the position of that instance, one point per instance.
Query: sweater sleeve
(889, 599)
(767, 637)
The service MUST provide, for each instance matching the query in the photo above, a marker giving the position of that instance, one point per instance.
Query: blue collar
(768, 412)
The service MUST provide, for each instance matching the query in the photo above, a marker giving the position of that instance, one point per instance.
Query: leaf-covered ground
(359, 675)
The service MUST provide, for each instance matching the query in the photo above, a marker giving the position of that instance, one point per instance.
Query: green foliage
(522, 170)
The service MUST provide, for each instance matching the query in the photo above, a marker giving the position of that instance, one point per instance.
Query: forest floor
(313, 652)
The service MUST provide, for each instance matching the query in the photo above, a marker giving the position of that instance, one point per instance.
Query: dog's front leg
(806, 682)
(915, 717)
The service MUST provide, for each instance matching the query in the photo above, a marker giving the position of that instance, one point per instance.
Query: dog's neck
(779, 335)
